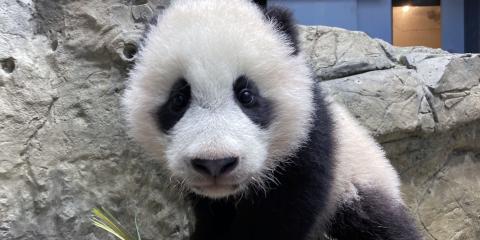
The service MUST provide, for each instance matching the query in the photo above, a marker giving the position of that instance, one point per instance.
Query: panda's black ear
(285, 23)
(261, 3)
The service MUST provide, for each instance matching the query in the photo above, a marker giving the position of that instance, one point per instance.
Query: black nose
(214, 167)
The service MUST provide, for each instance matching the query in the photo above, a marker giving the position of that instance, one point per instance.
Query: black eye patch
(177, 104)
(248, 97)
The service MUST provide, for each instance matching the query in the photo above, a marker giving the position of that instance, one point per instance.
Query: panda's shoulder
(359, 160)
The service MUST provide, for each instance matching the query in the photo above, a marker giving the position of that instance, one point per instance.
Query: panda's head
(220, 93)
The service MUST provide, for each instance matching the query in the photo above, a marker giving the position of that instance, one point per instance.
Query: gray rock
(387, 102)
(142, 13)
(63, 145)
(336, 53)
(64, 149)
(441, 181)
(425, 112)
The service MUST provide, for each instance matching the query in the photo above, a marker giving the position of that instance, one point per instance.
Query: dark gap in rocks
(140, 2)
(404, 61)
(429, 97)
(8, 64)
(129, 51)
(345, 71)
(54, 45)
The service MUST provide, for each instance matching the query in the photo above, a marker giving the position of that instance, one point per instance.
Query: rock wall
(63, 148)
(423, 105)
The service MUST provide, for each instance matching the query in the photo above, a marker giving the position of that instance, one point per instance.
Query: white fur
(359, 160)
(211, 43)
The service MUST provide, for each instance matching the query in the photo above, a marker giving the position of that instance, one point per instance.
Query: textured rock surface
(336, 53)
(63, 148)
(425, 110)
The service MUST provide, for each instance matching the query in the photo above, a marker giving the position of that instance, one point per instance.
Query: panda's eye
(179, 101)
(246, 97)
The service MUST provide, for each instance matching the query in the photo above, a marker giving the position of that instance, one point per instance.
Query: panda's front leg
(373, 216)
(246, 220)
(284, 213)
(213, 218)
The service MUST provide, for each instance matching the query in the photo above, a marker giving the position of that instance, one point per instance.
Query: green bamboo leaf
(103, 219)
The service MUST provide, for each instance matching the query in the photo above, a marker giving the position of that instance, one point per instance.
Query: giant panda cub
(222, 96)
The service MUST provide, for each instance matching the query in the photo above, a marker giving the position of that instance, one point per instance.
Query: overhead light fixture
(407, 6)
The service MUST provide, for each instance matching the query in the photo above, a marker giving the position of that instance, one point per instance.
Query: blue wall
(371, 16)
(338, 13)
(375, 18)
(472, 26)
(453, 29)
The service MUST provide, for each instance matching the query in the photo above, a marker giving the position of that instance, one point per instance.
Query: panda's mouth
(217, 189)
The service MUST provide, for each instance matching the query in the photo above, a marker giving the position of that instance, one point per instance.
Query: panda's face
(218, 96)
(217, 136)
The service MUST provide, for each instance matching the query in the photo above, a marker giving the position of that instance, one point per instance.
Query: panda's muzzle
(214, 167)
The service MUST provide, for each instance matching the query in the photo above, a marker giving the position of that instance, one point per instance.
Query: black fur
(289, 210)
(261, 111)
(285, 24)
(373, 217)
(261, 3)
(166, 116)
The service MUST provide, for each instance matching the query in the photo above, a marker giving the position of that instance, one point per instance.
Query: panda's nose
(215, 167)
